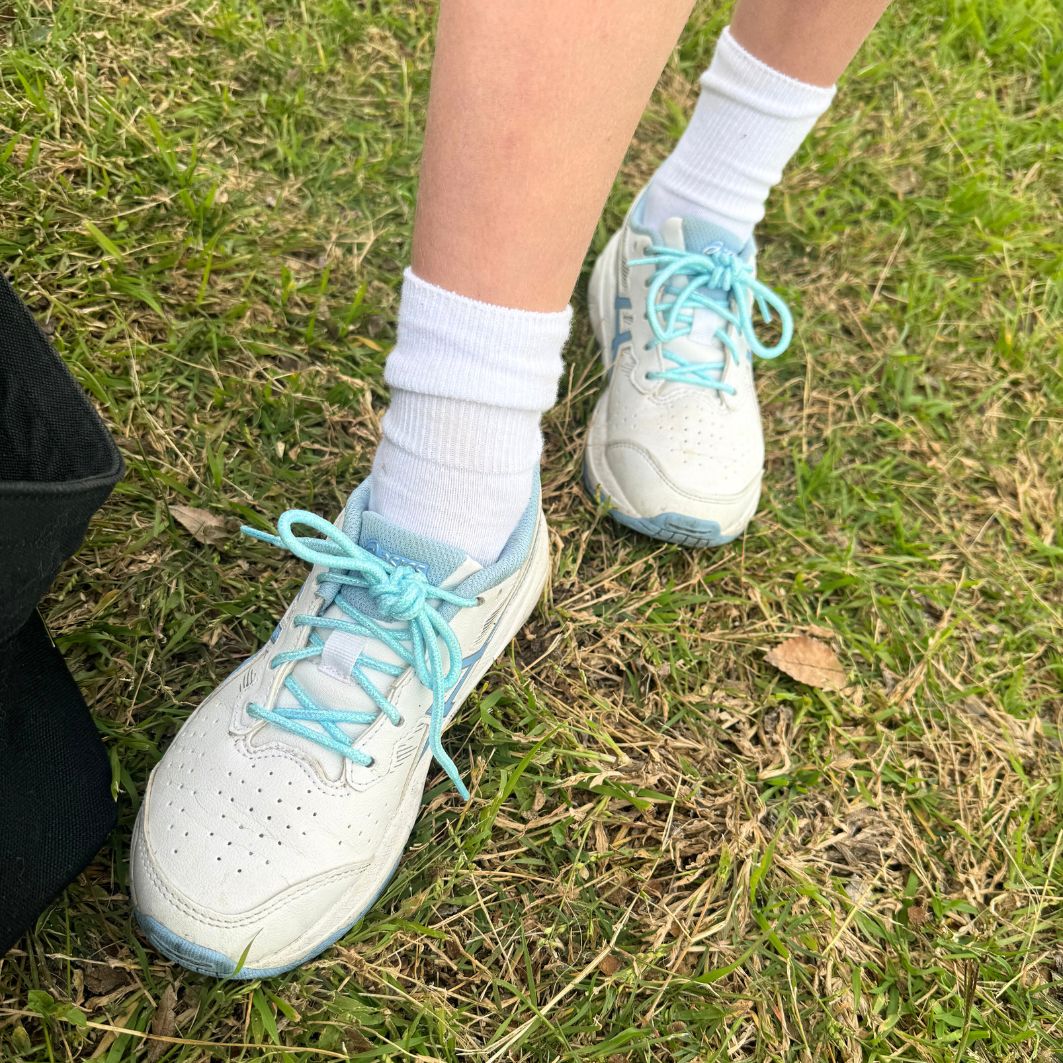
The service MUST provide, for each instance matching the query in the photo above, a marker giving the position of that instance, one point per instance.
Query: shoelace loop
(671, 308)
(401, 595)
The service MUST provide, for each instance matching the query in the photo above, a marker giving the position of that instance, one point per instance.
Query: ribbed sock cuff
(748, 122)
(458, 434)
(740, 76)
(455, 347)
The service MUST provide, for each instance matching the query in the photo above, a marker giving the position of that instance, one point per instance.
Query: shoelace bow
(400, 594)
(670, 309)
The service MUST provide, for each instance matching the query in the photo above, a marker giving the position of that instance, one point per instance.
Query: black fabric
(56, 808)
(57, 465)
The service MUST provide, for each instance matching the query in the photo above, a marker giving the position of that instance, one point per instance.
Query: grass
(673, 852)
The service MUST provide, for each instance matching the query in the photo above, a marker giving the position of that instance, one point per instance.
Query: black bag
(57, 465)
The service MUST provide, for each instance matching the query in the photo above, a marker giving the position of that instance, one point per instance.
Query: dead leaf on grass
(100, 978)
(205, 527)
(162, 1023)
(918, 914)
(809, 661)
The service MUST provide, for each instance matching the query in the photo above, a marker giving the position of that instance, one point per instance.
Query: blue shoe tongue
(703, 236)
(397, 546)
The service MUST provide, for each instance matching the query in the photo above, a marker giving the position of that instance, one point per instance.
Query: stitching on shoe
(185, 906)
(636, 448)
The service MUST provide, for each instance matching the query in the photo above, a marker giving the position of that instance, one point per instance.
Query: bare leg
(811, 40)
(531, 110)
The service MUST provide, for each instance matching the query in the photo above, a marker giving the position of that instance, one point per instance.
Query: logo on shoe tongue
(375, 546)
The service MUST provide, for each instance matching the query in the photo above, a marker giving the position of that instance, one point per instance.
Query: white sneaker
(675, 442)
(281, 809)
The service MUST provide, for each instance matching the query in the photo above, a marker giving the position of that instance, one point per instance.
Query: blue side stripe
(467, 664)
(620, 338)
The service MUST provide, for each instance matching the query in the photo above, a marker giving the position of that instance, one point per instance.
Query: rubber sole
(678, 528)
(202, 960)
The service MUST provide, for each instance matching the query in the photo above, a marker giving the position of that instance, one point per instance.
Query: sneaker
(281, 809)
(675, 445)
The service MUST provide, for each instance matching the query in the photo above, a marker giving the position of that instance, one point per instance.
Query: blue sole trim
(669, 527)
(202, 960)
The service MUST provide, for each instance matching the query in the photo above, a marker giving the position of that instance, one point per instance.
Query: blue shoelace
(399, 594)
(670, 309)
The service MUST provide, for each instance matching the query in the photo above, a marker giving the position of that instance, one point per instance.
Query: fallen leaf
(162, 1023)
(918, 915)
(809, 661)
(99, 978)
(205, 527)
(609, 965)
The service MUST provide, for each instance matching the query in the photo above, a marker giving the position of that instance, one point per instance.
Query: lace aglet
(448, 765)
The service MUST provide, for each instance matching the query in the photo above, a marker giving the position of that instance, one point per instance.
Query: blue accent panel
(704, 237)
(467, 666)
(375, 546)
(635, 219)
(186, 953)
(206, 961)
(397, 546)
(620, 338)
(669, 527)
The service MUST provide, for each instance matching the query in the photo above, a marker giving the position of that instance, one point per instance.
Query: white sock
(748, 122)
(461, 441)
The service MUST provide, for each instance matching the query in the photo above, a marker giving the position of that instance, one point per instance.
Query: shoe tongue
(441, 565)
(704, 237)
(701, 237)
(436, 561)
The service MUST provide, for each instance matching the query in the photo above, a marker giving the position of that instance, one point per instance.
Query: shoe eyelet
(400, 721)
